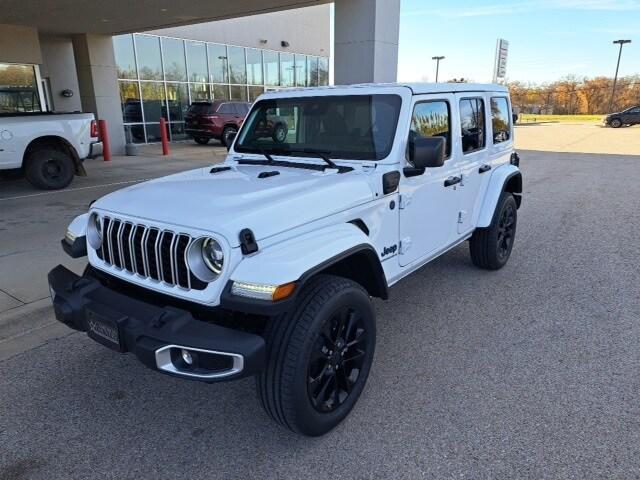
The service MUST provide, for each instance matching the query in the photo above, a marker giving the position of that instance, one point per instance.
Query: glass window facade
(162, 76)
(18, 89)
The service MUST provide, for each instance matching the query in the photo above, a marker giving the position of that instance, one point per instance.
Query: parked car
(220, 120)
(49, 147)
(266, 264)
(630, 116)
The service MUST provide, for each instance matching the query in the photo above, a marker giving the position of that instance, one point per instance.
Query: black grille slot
(166, 242)
(182, 271)
(151, 253)
(105, 240)
(113, 241)
(138, 257)
(152, 237)
(125, 237)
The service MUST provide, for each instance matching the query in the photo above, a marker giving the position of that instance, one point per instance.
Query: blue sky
(548, 39)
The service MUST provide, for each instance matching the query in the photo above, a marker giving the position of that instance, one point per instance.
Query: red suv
(218, 119)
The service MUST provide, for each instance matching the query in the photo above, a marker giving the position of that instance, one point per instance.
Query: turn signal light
(283, 291)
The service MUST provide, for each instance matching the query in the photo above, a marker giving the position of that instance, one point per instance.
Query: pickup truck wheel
(616, 123)
(201, 140)
(49, 168)
(319, 357)
(491, 247)
(226, 134)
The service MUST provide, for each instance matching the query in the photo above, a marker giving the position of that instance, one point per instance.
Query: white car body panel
(17, 132)
(302, 218)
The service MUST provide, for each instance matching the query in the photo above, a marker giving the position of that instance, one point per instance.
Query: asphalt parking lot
(529, 372)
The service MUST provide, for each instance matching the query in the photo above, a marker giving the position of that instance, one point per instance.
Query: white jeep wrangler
(266, 264)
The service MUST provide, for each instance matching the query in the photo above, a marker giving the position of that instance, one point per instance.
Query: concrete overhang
(125, 16)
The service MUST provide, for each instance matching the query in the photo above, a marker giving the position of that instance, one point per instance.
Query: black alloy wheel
(506, 231)
(337, 360)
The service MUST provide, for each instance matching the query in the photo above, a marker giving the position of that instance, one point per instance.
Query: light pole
(437, 59)
(615, 78)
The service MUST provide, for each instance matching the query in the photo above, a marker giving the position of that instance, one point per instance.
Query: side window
(431, 119)
(472, 122)
(225, 108)
(500, 119)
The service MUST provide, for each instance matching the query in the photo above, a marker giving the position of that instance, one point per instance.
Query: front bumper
(156, 335)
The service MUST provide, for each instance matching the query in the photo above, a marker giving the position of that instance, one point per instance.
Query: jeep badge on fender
(266, 264)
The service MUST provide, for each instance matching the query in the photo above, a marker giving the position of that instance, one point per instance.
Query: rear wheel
(319, 357)
(491, 247)
(227, 134)
(616, 123)
(49, 168)
(279, 133)
(201, 140)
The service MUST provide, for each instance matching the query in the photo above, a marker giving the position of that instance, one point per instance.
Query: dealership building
(132, 66)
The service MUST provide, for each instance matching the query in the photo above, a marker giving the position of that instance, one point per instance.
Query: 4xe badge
(389, 250)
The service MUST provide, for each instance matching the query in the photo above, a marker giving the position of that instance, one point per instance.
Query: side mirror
(425, 152)
(230, 139)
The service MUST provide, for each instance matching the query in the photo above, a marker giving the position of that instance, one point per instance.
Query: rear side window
(472, 122)
(226, 108)
(500, 119)
(431, 119)
(200, 108)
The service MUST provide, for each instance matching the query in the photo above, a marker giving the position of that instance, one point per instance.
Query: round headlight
(94, 231)
(213, 255)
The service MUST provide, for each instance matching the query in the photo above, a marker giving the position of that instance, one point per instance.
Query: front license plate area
(104, 331)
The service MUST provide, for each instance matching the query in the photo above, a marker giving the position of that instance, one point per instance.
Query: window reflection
(197, 59)
(218, 63)
(301, 70)
(239, 93)
(178, 100)
(220, 92)
(18, 89)
(174, 63)
(199, 92)
(130, 102)
(153, 101)
(287, 70)
(323, 71)
(237, 67)
(125, 58)
(271, 69)
(254, 66)
(148, 53)
(312, 71)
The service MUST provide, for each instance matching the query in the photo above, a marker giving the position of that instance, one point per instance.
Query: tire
(302, 386)
(615, 123)
(226, 141)
(279, 134)
(48, 168)
(201, 140)
(491, 247)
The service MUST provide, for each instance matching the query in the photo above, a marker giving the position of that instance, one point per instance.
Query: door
(474, 164)
(634, 115)
(429, 202)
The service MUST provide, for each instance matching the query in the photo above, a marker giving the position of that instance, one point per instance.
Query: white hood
(229, 201)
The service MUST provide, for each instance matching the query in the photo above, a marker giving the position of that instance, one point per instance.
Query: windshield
(350, 127)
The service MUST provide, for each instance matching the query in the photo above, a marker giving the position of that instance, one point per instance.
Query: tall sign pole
(500, 64)
(615, 78)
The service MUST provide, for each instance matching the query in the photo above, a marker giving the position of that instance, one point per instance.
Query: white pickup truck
(49, 147)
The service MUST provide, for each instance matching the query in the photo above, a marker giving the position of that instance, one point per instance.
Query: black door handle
(452, 181)
(484, 168)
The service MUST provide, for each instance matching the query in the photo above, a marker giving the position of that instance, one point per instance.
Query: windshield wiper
(320, 154)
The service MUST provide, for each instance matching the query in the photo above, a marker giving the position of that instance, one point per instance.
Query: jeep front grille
(149, 252)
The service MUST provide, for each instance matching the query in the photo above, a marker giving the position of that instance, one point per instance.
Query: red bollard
(103, 134)
(164, 136)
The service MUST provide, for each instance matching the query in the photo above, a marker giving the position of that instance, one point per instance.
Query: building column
(98, 82)
(366, 41)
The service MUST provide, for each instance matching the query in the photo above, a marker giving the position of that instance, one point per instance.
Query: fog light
(186, 357)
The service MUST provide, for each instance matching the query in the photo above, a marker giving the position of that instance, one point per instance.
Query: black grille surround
(148, 252)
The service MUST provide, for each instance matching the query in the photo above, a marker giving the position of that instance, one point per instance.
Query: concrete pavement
(529, 372)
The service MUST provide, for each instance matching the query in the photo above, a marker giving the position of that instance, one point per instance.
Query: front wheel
(319, 357)
(227, 135)
(616, 123)
(491, 247)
